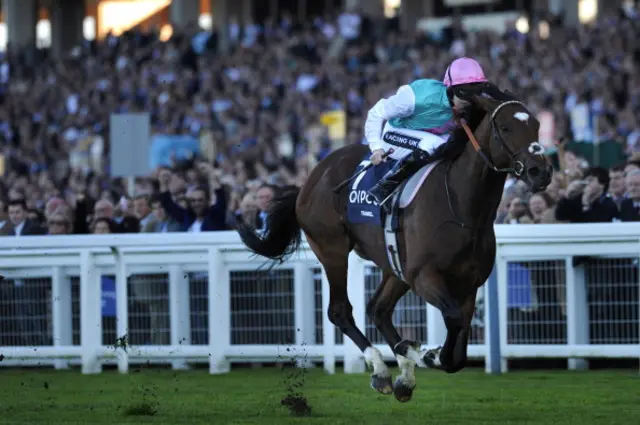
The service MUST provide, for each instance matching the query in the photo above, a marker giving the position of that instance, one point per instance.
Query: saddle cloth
(362, 209)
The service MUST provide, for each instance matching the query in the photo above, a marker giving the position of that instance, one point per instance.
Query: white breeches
(403, 141)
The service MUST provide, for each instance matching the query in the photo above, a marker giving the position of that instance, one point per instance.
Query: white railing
(183, 298)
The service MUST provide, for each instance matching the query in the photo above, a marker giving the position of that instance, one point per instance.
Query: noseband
(517, 167)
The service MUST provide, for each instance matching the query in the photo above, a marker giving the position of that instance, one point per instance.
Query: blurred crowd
(256, 111)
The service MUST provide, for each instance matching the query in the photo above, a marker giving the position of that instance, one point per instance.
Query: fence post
(122, 310)
(353, 358)
(90, 314)
(179, 311)
(328, 329)
(219, 312)
(577, 311)
(61, 313)
(638, 283)
(304, 316)
(493, 357)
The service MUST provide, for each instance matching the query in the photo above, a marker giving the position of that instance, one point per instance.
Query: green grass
(247, 396)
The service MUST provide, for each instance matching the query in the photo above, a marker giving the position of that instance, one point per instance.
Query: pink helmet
(464, 71)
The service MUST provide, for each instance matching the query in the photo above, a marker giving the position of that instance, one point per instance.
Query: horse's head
(512, 145)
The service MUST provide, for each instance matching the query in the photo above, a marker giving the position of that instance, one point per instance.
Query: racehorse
(446, 238)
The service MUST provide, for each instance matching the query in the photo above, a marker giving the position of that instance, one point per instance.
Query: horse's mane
(488, 90)
(473, 114)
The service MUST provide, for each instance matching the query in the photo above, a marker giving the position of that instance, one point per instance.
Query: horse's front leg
(432, 287)
(453, 355)
(407, 354)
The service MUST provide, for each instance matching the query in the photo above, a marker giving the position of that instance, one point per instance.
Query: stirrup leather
(383, 203)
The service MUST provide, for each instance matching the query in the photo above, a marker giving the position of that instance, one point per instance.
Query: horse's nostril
(534, 171)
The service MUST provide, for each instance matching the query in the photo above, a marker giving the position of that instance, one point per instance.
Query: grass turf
(253, 396)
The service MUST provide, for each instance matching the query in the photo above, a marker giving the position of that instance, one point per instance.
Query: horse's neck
(478, 189)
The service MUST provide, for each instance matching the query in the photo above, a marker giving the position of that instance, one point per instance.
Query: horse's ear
(512, 94)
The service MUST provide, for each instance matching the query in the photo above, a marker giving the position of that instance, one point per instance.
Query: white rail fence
(566, 291)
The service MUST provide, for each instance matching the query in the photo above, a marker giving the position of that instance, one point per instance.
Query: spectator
(246, 211)
(518, 213)
(631, 166)
(178, 191)
(125, 224)
(6, 227)
(103, 226)
(205, 212)
(81, 208)
(586, 201)
(103, 209)
(556, 188)
(53, 205)
(541, 207)
(124, 216)
(22, 226)
(161, 222)
(617, 184)
(36, 217)
(264, 196)
(630, 208)
(349, 25)
(59, 224)
(142, 210)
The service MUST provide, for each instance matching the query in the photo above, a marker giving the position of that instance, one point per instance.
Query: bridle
(517, 167)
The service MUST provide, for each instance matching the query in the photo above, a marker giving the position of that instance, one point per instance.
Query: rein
(518, 167)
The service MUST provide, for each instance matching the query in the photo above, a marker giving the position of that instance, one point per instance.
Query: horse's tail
(283, 230)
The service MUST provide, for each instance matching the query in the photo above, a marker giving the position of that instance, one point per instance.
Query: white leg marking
(413, 354)
(430, 352)
(407, 371)
(373, 358)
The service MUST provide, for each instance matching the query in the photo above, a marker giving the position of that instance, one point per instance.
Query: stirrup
(386, 197)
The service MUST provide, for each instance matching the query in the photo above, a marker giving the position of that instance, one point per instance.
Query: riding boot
(401, 170)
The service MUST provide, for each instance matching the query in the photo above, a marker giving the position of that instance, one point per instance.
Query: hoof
(431, 358)
(402, 391)
(382, 384)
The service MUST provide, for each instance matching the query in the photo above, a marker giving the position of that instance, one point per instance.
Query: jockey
(419, 117)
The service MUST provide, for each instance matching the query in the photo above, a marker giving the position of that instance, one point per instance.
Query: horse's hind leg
(383, 302)
(380, 310)
(334, 257)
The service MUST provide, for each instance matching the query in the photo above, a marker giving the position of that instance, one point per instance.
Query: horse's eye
(504, 129)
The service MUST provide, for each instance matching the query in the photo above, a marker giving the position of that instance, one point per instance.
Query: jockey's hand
(378, 156)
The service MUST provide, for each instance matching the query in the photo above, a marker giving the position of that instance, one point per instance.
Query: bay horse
(446, 238)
